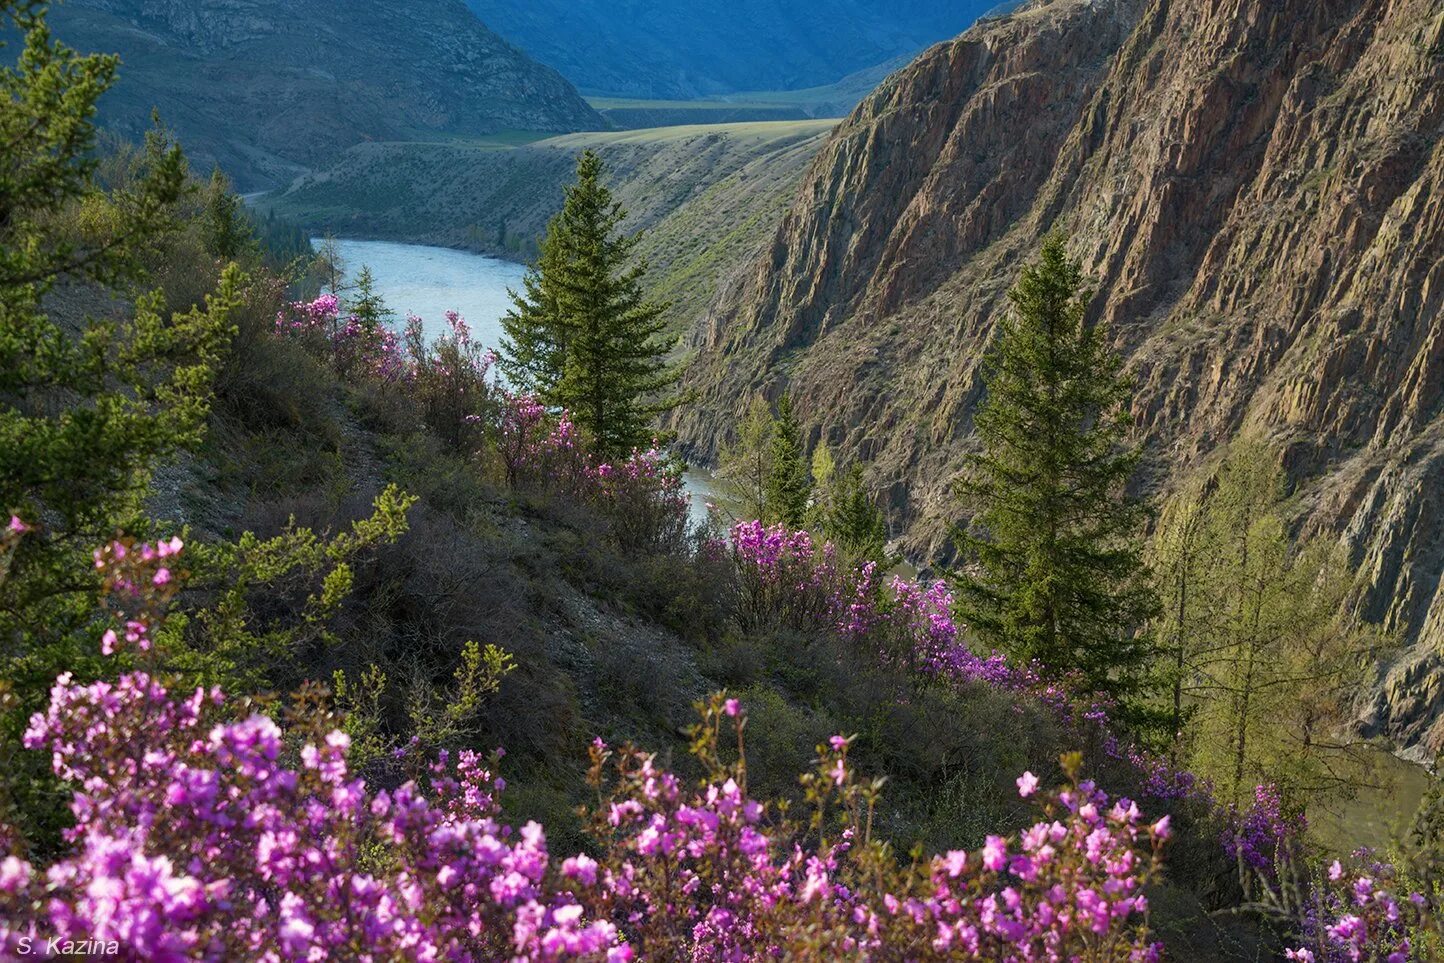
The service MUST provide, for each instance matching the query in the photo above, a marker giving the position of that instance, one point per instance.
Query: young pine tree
(583, 336)
(789, 487)
(226, 229)
(367, 305)
(1056, 572)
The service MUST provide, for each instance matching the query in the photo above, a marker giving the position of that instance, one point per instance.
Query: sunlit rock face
(1258, 188)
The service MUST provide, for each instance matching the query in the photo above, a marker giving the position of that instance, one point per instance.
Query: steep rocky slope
(268, 88)
(1257, 185)
(666, 49)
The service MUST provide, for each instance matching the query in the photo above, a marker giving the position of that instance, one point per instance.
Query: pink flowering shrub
(644, 500)
(1357, 912)
(786, 579)
(354, 347)
(539, 451)
(449, 378)
(707, 873)
(642, 497)
(205, 833)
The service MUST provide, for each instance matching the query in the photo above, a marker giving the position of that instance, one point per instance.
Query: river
(429, 281)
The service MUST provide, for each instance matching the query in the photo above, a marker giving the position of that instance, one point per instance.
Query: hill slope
(708, 196)
(268, 88)
(663, 49)
(1258, 185)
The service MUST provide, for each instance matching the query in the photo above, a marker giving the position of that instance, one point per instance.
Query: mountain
(669, 50)
(708, 197)
(1258, 188)
(269, 88)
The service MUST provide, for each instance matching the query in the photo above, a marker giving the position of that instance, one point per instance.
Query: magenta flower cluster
(1355, 915)
(354, 346)
(196, 839)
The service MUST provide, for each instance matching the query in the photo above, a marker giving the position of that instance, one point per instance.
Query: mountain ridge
(269, 89)
(1267, 232)
(659, 50)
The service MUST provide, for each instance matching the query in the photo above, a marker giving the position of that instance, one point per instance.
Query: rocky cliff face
(269, 88)
(1257, 185)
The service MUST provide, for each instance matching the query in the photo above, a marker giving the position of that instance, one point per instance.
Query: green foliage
(789, 488)
(367, 305)
(224, 225)
(230, 640)
(746, 464)
(1255, 643)
(447, 718)
(583, 337)
(850, 519)
(1056, 573)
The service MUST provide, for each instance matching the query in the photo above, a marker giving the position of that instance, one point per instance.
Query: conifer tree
(227, 231)
(1054, 546)
(789, 488)
(88, 407)
(1267, 659)
(368, 306)
(534, 346)
(583, 336)
(852, 520)
(746, 464)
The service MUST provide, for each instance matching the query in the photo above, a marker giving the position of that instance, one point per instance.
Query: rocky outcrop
(269, 88)
(1258, 187)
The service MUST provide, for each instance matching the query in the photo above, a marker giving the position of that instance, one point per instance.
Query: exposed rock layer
(268, 87)
(1257, 185)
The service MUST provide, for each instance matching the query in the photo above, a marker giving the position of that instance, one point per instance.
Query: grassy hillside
(708, 195)
(831, 100)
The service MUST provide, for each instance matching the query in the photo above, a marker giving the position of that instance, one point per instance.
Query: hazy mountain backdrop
(271, 87)
(653, 48)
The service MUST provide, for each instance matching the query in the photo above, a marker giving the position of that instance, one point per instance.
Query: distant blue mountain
(681, 49)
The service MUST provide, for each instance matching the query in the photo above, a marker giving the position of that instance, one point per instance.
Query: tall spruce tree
(368, 305)
(789, 487)
(1056, 572)
(582, 335)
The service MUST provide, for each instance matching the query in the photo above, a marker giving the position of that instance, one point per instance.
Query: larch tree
(582, 335)
(1268, 659)
(1055, 571)
(746, 464)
